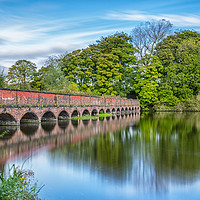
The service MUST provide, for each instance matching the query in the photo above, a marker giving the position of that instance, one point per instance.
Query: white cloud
(177, 20)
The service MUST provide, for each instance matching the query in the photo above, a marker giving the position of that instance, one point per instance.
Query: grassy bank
(18, 184)
(92, 117)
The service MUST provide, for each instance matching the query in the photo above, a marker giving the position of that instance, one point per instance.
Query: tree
(148, 34)
(147, 81)
(104, 67)
(119, 49)
(180, 69)
(2, 78)
(21, 74)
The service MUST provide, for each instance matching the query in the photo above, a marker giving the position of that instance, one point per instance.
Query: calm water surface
(125, 157)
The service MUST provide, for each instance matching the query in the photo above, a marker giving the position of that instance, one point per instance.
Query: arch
(7, 132)
(29, 129)
(122, 110)
(63, 115)
(47, 116)
(118, 110)
(94, 112)
(130, 109)
(75, 113)
(86, 113)
(113, 110)
(126, 109)
(101, 111)
(108, 110)
(29, 117)
(6, 118)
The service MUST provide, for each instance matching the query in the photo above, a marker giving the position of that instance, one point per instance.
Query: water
(114, 158)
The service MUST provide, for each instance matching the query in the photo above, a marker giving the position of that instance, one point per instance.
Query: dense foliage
(161, 69)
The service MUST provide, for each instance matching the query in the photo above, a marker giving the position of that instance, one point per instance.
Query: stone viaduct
(18, 106)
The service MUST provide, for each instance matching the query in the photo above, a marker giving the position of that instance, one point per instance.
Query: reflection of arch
(108, 118)
(63, 124)
(7, 132)
(48, 126)
(74, 123)
(6, 118)
(94, 121)
(29, 117)
(63, 115)
(86, 122)
(113, 110)
(94, 112)
(29, 129)
(101, 111)
(108, 110)
(75, 113)
(48, 116)
(113, 117)
(86, 113)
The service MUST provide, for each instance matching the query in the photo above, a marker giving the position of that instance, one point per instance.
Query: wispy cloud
(177, 20)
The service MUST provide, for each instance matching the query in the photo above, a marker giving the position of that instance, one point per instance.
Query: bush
(18, 185)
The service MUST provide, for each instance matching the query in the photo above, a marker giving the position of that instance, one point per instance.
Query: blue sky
(36, 29)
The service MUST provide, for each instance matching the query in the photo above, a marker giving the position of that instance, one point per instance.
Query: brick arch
(29, 116)
(101, 109)
(108, 110)
(63, 114)
(48, 115)
(75, 113)
(94, 112)
(113, 110)
(7, 118)
(86, 112)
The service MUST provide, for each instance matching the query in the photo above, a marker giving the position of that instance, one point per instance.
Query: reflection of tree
(175, 142)
(162, 148)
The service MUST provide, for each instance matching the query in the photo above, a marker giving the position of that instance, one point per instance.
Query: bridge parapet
(17, 98)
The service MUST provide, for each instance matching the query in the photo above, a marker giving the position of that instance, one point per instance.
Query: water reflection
(147, 153)
(161, 149)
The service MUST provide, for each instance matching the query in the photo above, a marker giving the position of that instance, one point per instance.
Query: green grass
(91, 117)
(18, 184)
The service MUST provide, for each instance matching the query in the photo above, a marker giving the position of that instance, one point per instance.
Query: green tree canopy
(21, 74)
(180, 58)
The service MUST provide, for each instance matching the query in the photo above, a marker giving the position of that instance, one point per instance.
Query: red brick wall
(26, 98)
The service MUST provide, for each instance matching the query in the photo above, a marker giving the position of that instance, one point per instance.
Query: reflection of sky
(64, 181)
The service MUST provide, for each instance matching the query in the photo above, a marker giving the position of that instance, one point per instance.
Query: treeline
(160, 68)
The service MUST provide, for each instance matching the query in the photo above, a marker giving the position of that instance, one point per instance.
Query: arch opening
(86, 113)
(29, 117)
(6, 118)
(101, 111)
(108, 111)
(48, 116)
(75, 113)
(63, 115)
(94, 112)
(113, 110)
(126, 109)
(122, 110)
